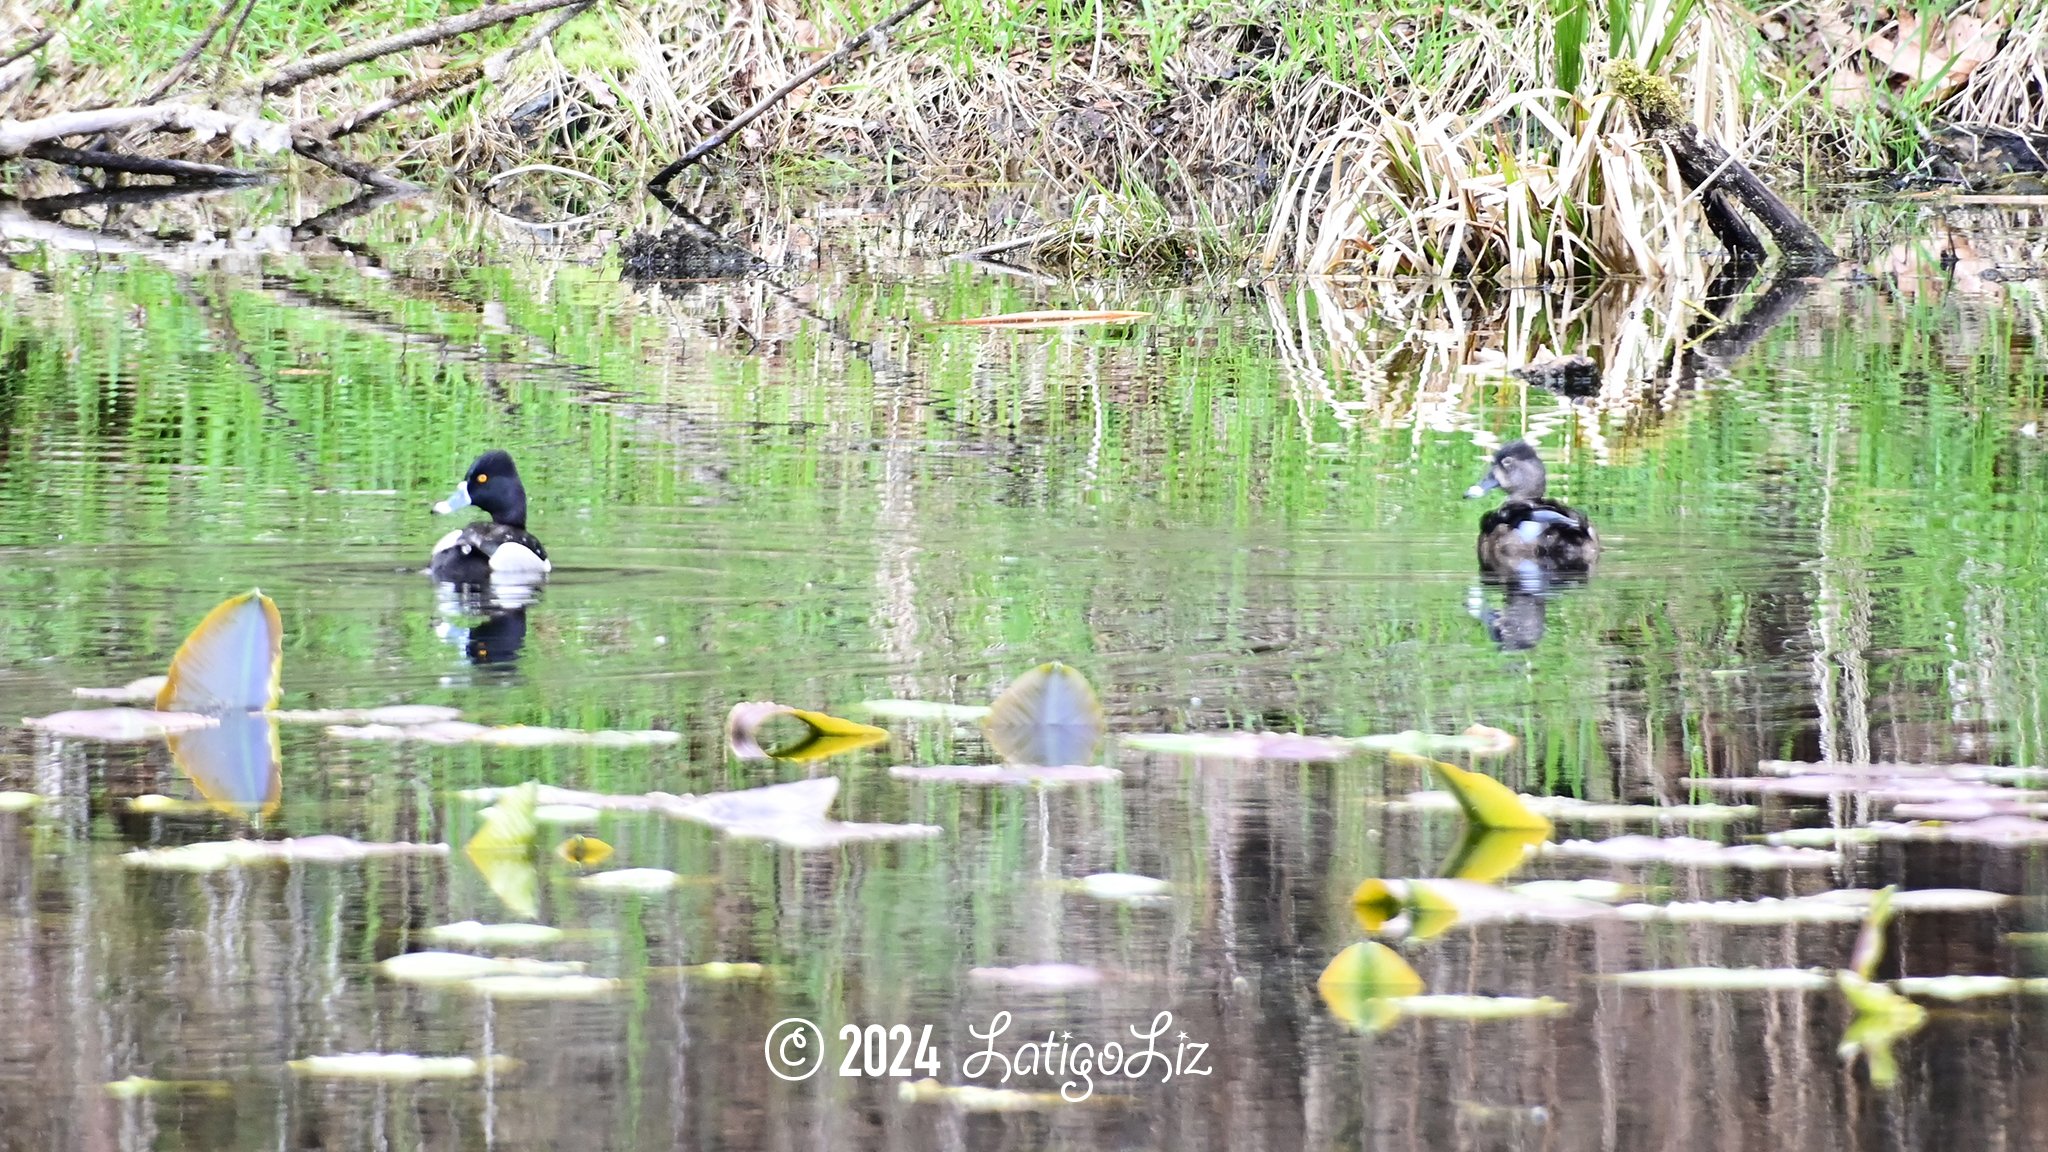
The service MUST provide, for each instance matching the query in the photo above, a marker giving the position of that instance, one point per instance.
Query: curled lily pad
(1048, 716)
(924, 710)
(1362, 984)
(1729, 979)
(118, 725)
(502, 850)
(829, 735)
(1489, 854)
(400, 1066)
(974, 1098)
(142, 691)
(1696, 853)
(520, 987)
(1243, 745)
(1487, 803)
(584, 850)
(235, 764)
(1039, 977)
(1124, 886)
(631, 880)
(475, 934)
(1883, 1017)
(457, 967)
(212, 856)
(231, 662)
(1007, 774)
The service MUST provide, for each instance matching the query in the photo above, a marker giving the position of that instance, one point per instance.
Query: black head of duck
(500, 549)
(1528, 526)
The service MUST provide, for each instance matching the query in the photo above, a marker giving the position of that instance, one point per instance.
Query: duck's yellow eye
(482, 479)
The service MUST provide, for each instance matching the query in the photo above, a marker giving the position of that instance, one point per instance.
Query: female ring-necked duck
(1528, 526)
(500, 549)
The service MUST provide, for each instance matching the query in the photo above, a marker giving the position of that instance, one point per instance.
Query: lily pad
(502, 850)
(1461, 1007)
(457, 967)
(214, 855)
(1478, 740)
(829, 735)
(476, 934)
(1048, 716)
(1487, 802)
(1362, 982)
(1567, 808)
(138, 1087)
(1243, 745)
(1598, 891)
(231, 662)
(631, 880)
(1124, 886)
(398, 1066)
(924, 710)
(792, 815)
(584, 850)
(974, 1098)
(1694, 853)
(1007, 774)
(20, 801)
(566, 814)
(1039, 977)
(521, 987)
(1958, 987)
(1729, 979)
(395, 714)
(142, 691)
(118, 725)
(1432, 906)
(507, 736)
(1768, 910)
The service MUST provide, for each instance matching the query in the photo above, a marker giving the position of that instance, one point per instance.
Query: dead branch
(138, 165)
(17, 136)
(40, 38)
(313, 67)
(846, 49)
(321, 152)
(426, 88)
(184, 62)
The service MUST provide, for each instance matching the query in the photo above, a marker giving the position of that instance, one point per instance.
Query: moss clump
(1652, 98)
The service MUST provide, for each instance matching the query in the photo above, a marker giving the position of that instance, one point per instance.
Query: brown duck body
(1529, 527)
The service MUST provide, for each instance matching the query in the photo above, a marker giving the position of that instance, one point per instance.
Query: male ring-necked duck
(500, 549)
(1528, 526)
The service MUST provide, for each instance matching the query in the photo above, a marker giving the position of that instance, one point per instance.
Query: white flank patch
(517, 558)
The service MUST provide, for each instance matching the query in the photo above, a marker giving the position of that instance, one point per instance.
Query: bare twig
(846, 49)
(426, 88)
(496, 65)
(227, 48)
(1009, 245)
(184, 62)
(313, 67)
(321, 152)
(139, 165)
(34, 42)
(17, 136)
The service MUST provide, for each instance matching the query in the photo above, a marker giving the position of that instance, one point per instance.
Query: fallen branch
(1707, 167)
(184, 62)
(356, 119)
(1009, 245)
(139, 165)
(313, 67)
(17, 136)
(321, 152)
(846, 49)
(40, 38)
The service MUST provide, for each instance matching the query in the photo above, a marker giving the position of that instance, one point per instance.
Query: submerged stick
(846, 48)
(1709, 169)
(313, 67)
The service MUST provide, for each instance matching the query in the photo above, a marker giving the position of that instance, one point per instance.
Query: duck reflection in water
(497, 639)
(1531, 547)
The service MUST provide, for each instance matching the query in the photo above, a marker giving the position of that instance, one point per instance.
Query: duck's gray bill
(459, 500)
(1487, 483)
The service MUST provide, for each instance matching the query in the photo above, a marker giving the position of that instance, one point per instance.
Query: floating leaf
(475, 934)
(631, 880)
(1959, 987)
(792, 815)
(550, 796)
(1460, 1007)
(1487, 802)
(19, 801)
(1038, 977)
(502, 850)
(1054, 318)
(1765, 911)
(544, 987)
(1035, 775)
(400, 1066)
(584, 850)
(1361, 983)
(1478, 740)
(924, 710)
(974, 1098)
(236, 764)
(1598, 891)
(1124, 886)
(136, 1088)
(231, 662)
(507, 736)
(1431, 906)
(829, 735)
(399, 714)
(1243, 745)
(1047, 716)
(118, 725)
(1697, 853)
(1489, 854)
(1869, 950)
(1571, 809)
(724, 970)
(1729, 979)
(457, 967)
(1883, 1017)
(566, 814)
(142, 691)
(212, 856)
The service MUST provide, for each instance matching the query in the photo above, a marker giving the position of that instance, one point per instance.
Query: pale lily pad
(1007, 774)
(508, 736)
(442, 732)
(792, 815)
(1039, 977)
(214, 855)
(1898, 789)
(1567, 808)
(829, 735)
(457, 967)
(1958, 987)
(924, 710)
(1478, 740)
(1598, 891)
(1768, 910)
(548, 795)
(1920, 899)
(1048, 716)
(476, 934)
(118, 725)
(20, 801)
(1424, 909)
(566, 814)
(1242, 745)
(1820, 837)
(1124, 886)
(518, 987)
(156, 804)
(1459, 1007)
(1729, 979)
(1693, 853)
(1968, 810)
(399, 1066)
(138, 1087)
(974, 1098)
(142, 691)
(401, 715)
(631, 880)
(725, 970)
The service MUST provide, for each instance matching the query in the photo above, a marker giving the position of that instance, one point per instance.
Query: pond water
(1824, 541)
